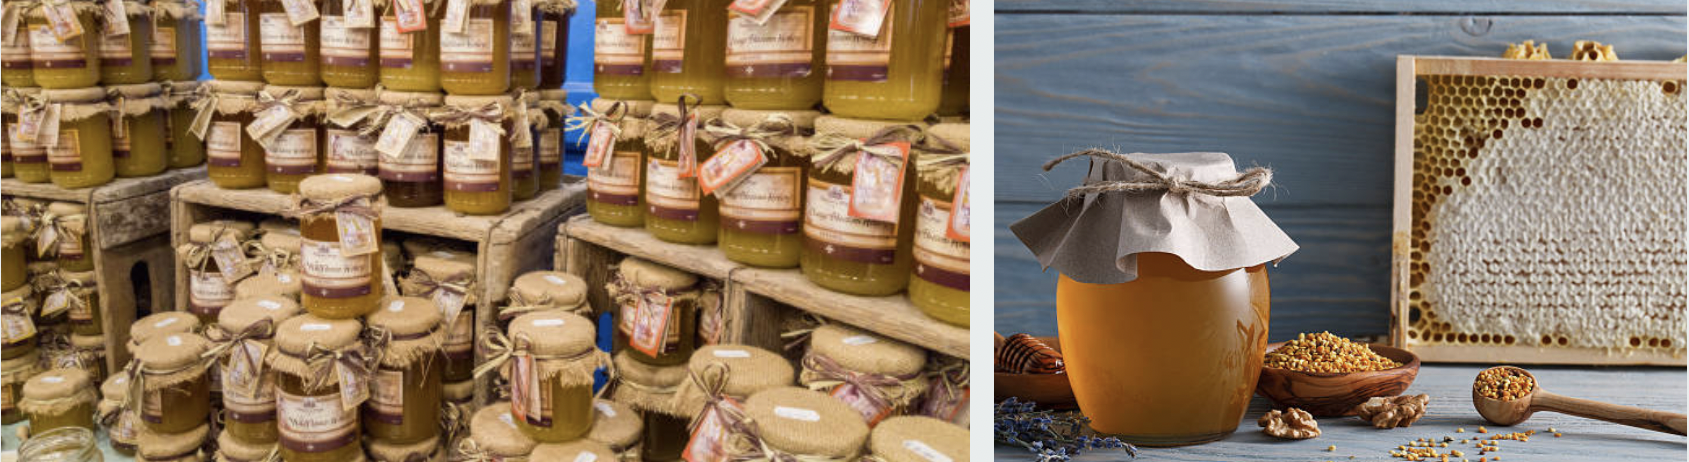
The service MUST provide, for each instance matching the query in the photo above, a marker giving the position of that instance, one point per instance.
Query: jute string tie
(1246, 184)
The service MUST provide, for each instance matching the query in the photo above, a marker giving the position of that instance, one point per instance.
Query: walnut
(1291, 424)
(1392, 412)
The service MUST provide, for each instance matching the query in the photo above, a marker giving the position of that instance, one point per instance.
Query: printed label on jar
(782, 47)
(668, 42)
(418, 162)
(82, 312)
(208, 292)
(617, 183)
(938, 258)
(163, 49)
(470, 50)
(768, 201)
(227, 41)
(279, 39)
(551, 146)
(460, 338)
(467, 174)
(522, 162)
(14, 51)
(395, 45)
(524, 48)
(829, 228)
(615, 52)
(314, 423)
(857, 57)
(548, 42)
(667, 195)
(329, 274)
(116, 50)
(222, 144)
(16, 328)
(294, 152)
(46, 51)
(66, 155)
(23, 152)
(152, 406)
(257, 405)
(386, 402)
(343, 45)
(349, 152)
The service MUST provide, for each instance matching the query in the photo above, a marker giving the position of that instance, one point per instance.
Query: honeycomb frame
(1485, 114)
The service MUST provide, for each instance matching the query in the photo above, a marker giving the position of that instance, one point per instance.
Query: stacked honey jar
(453, 102)
(98, 90)
(791, 134)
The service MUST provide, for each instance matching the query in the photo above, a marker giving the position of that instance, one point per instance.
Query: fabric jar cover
(918, 439)
(301, 336)
(562, 344)
(797, 422)
(645, 387)
(427, 450)
(56, 391)
(161, 324)
(172, 447)
(738, 370)
(441, 269)
(838, 353)
(542, 290)
(618, 426)
(493, 436)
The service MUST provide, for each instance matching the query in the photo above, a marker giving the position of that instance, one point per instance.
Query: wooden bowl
(1334, 394)
(1050, 391)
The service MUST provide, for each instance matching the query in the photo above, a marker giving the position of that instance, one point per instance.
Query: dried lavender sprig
(1050, 436)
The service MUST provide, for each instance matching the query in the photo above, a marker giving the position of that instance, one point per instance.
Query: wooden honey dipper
(1513, 412)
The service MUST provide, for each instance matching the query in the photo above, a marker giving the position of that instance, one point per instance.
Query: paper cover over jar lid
(298, 333)
(555, 288)
(954, 133)
(574, 451)
(917, 438)
(554, 332)
(494, 430)
(230, 448)
(743, 370)
(139, 90)
(74, 95)
(305, 93)
(615, 424)
(168, 322)
(337, 186)
(647, 387)
(477, 101)
(1194, 205)
(427, 450)
(285, 283)
(861, 351)
(411, 97)
(862, 128)
(170, 446)
(171, 351)
(805, 422)
(58, 383)
(247, 311)
(645, 273)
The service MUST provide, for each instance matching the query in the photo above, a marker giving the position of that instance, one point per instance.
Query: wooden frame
(1408, 70)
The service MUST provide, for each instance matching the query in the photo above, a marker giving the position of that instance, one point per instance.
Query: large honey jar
(316, 420)
(410, 45)
(790, 416)
(475, 54)
(758, 178)
(139, 129)
(182, 446)
(127, 58)
(917, 439)
(621, 59)
(546, 290)
(1113, 308)
(67, 225)
(29, 158)
(63, 54)
(849, 357)
(446, 279)
(291, 41)
(886, 64)
(859, 212)
(58, 398)
(411, 175)
(170, 377)
(736, 372)
(350, 51)
(159, 325)
(245, 332)
(79, 294)
(211, 246)
(552, 356)
(615, 159)
(939, 284)
(778, 63)
(80, 156)
(290, 121)
(650, 390)
(656, 311)
(185, 150)
(688, 47)
(548, 139)
(617, 426)
(234, 160)
(177, 45)
(477, 176)
(554, 17)
(404, 400)
(676, 210)
(341, 261)
(346, 148)
(233, 41)
(494, 435)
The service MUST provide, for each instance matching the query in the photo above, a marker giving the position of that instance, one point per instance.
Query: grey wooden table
(1451, 408)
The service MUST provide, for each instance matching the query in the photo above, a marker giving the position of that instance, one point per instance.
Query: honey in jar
(615, 159)
(81, 157)
(293, 149)
(779, 63)
(554, 17)
(664, 436)
(410, 46)
(762, 212)
(233, 41)
(494, 435)
(233, 159)
(313, 420)
(954, 99)
(210, 287)
(688, 47)
(185, 150)
(477, 177)
(231, 448)
(29, 158)
(350, 51)
(16, 67)
(846, 249)
(676, 210)
(127, 58)
(19, 327)
(72, 61)
(340, 268)
(346, 149)
(524, 45)
(556, 351)
(939, 284)
(70, 243)
(177, 390)
(176, 43)
(549, 139)
(292, 51)
(404, 401)
(58, 398)
(249, 395)
(139, 129)
(656, 314)
(524, 150)
(621, 60)
(79, 290)
(894, 72)
(14, 233)
(475, 55)
(790, 415)
(410, 177)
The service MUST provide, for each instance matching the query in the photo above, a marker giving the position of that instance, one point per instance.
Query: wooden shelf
(130, 209)
(432, 221)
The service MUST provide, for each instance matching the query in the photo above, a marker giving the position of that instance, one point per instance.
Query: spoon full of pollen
(1507, 412)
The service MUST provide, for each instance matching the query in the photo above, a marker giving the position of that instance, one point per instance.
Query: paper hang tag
(241, 374)
(961, 219)
(523, 135)
(639, 17)
(651, 324)
(361, 15)
(730, 166)
(450, 303)
(522, 17)
(47, 126)
(9, 21)
(231, 261)
(348, 117)
(860, 17)
(758, 10)
(858, 401)
(354, 388)
(687, 145)
(357, 234)
(202, 119)
(709, 438)
(62, 19)
(877, 189)
(521, 386)
(117, 18)
(17, 327)
(269, 125)
(216, 13)
(397, 135)
(409, 15)
(388, 285)
(483, 140)
(457, 16)
(960, 13)
(300, 12)
(46, 241)
(56, 302)
(598, 146)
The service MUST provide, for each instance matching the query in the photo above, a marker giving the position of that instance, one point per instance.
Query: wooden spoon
(1516, 411)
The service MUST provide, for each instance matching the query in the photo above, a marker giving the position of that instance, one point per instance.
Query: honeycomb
(1549, 212)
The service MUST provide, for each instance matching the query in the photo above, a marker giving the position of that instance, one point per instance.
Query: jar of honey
(616, 152)
(121, 425)
(313, 419)
(954, 99)
(87, 352)
(245, 331)
(233, 159)
(176, 391)
(939, 283)
(656, 315)
(127, 58)
(29, 158)
(14, 232)
(210, 286)
(676, 210)
(555, 355)
(1114, 308)
(549, 138)
(180, 96)
(917, 439)
(779, 63)
(58, 398)
(447, 280)
(546, 290)
(554, 17)
(524, 160)
(618, 426)
(475, 55)
(69, 61)
(233, 41)
(139, 130)
(477, 177)
(19, 328)
(734, 372)
(789, 417)
(340, 268)
(232, 449)
(493, 435)
(410, 46)
(176, 43)
(893, 73)
(760, 213)
(838, 352)
(79, 291)
(16, 68)
(347, 149)
(293, 149)
(411, 176)
(427, 450)
(158, 325)
(848, 247)
(621, 59)
(81, 157)
(404, 399)
(14, 372)
(524, 44)
(69, 225)
(292, 49)
(350, 52)
(688, 48)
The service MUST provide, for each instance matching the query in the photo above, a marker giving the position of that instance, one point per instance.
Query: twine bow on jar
(230, 345)
(64, 289)
(119, 104)
(351, 109)
(834, 151)
(204, 103)
(491, 113)
(358, 360)
(875, 388)
(520, 305)
(272, 260)
(364, 205)
(610, 119)
(726, 133)
(379, 339)
(453, 421)
(949, 380)
(1245, 184)
(426, 286)
(287, 107)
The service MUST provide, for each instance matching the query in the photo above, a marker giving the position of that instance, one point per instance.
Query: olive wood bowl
(1050, 391)
(1335, 394)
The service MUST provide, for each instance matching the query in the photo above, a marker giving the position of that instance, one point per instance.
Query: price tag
(639, 17)
(729, 166)
(960, 223)
(598, 146)
(357, 234)
(216, 13)
(522, 17)
(860, 17)
(62, 20)
(651, 324)
(457, 16)
(354, 388)
(43, 128)
(300, 12)
(269, 124)
(409, 16)
(361, 14)
(483, 140)
(46, 240)
(877, 189)
(241, 374)
(231, 261)
(397, 135)
(709, 437)
(57, 302)
(450, 303)
(10, 18)
(758, 10)
(117, 18)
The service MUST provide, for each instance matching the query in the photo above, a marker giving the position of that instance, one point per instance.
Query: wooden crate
(506, 245)
(756, 300)
(127, 226)
(1419, 330)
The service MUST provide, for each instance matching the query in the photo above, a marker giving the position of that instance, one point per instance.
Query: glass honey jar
(294, 149)
(292, 52)
(16, 67)
(20, 305)
(139, 129)
(954, 98)
(549, 138)
(209, 244)
(345, 148)
(554, 17)
(411, 178)
(410, 46)
(618, 426)
(778, 64)
(621, 61)
(615, 181)
(688, 46)
(524, 150)
(29, 158)
(447, 277)
(846, 249)
(14, 372)
(185, 150)
(173, 379)
(676, 210)
(248, 327)
(761, 214)
(79, 290)
(475, 59)
(556, 352)
(837, 354)
(524, 45)
(58, 398)
(340, 270)
(82, 155)
(939, 284)
(64, 62)
(233, 41)
(894, 73)
(404, 399)
(122, 425)
(176, 42)
(312, 418)
(14, 233)
(788, 416)
(233, 159)
(477, 178)
(173, 447)
(127, 58)
(656, 311)
(350, 54)
(494, 435)
(69, 222)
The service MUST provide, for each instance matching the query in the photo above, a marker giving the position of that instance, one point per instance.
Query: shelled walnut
(1290, 424)
(1392, 412)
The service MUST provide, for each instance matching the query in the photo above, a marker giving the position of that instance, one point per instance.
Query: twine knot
(1248, 183)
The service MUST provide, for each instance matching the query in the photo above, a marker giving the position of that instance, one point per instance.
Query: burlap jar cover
(319, 352)
(277, 110)
(947, 389)
(160, 324)
(546, 290)
(134, 101)
(232, 449)
(186, 446)
(628, 120)
(560, 345)
(179, 94)
(241, 339)
(918, 439)
(122, 427)
(17, 311)
(75, 295)
(427, 450)
(577, 451)
(493, 437)
(944, 157)
(222, 97)
(619, 427)
(276, 253)
(735, 372)
(839, 142)
(792, 423)
(216, 257)
(671, 122)
(167, 368)
(63, 232)
(56, 392)
(882, 376)
(406, 333)
(641, 284)
(444, 277)
(647, 388)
